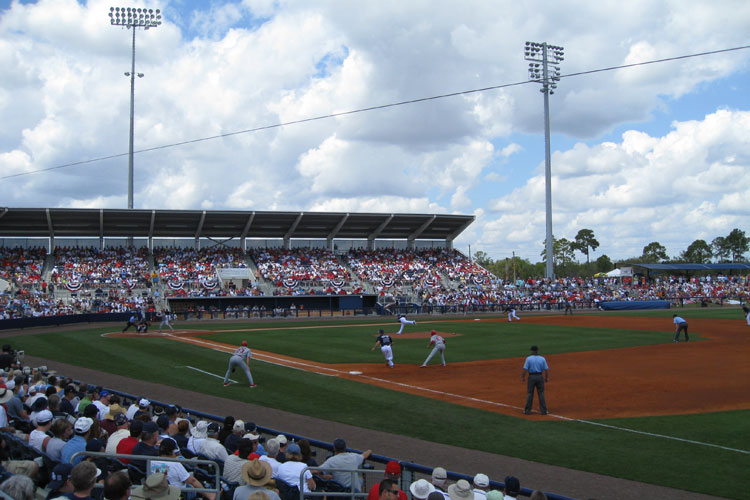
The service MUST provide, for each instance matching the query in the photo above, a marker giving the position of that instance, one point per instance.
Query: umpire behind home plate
(535, 365)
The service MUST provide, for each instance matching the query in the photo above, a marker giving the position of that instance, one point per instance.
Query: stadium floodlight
(544, 67)
(132, 18)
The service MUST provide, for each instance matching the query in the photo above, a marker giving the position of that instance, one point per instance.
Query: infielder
(402, 319)
(746, 310)
(385, 342)
(511, 310)
(680, 326)
(241, 357)
(165, 317)
(438, 346)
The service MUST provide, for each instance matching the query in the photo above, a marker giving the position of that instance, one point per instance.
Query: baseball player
(402, 319)
(241, 357)
(746, 310)
(165, 317)
(385, 342)
(680, 326)
(132, 321)
(511, 310)
(438, 346)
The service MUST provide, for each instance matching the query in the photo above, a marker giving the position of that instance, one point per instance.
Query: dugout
(351, 304)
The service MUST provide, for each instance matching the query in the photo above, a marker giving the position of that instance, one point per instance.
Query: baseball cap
(103, 393)
(439, 473)
(60, 474)
(150, 427)
(94, 445)
(214, 427)
(43, 417)
(144, 403)
(121, 419)
(281, 439)
(293, 448)
(239, 425)
(170, 410)
(393, 468)
(82, 425)
(482, 480)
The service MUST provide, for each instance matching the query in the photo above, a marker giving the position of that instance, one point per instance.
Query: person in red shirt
(392, 472)
(126, 445)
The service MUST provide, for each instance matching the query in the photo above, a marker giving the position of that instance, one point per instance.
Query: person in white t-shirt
(290, 471)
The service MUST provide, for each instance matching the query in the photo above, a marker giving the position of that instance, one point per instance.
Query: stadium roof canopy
(108, 223)
(695, 267)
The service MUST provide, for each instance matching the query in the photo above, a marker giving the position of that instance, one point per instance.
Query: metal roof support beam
(413, 236)
(151, 231)
(371, 237)
(290, 232)
(332, 234)
(243, 236)
(199, 231)
(51, 231)
(101, 229)
(449, 239)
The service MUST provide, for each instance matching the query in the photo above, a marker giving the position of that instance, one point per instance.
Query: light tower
(544, 68)
(132, 18)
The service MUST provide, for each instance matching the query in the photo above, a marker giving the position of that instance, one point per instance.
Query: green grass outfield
(686, 462)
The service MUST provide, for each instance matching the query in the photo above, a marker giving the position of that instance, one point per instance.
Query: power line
(372, 108)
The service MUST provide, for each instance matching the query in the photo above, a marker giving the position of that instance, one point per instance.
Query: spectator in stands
(393, 472)
(102, 404)
(92, 412)
(439, 480)
(147, 444)
(156, 487)
(54, 407)
(343, 459)
(6, 394)
(108, 423)
(461, 490)
(60, 483)
(181, 438)
(126, 445)
(24, 467)
(66, 404)
(89, 395)
(234, 463)
(227, 429)
(307, 453)
(257, 478)
(237, 431)
(198, 437)
(538, 495)
(141, 405)
(83, 477)
(495, 495)
(512, 487)
(481, 485)
(8, 359)
(176, 473)
(172, 412)
(18, 487)
(61, 431)
(421, 489)
(388, 489)
(121, 431)
(82, 431)
(272, 451)
(38, 439)
(211, 447)
(162, 422)
(291, 470)
(117, 486)
(14, 406)
(283, 443)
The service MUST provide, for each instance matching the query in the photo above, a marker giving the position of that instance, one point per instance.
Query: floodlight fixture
(544, 67)
(132, 18)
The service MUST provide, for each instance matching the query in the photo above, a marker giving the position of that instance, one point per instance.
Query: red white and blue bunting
(289, 282)
(431, 282)
(175, 284)
(337, 283)
(387, 282)
(73, 286)
(478, 279)
(210, 283)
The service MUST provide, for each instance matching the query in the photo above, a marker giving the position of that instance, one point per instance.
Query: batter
(438, 346)
(385, 342)
(241, 358)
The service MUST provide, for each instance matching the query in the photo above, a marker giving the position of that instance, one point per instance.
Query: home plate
(355, 373)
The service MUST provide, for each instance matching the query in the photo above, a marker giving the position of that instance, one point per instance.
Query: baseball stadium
(631, 411)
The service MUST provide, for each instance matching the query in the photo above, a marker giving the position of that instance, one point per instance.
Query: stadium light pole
(544, 68)
(132, 18)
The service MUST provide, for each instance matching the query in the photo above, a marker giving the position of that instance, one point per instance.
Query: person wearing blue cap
(60, 483)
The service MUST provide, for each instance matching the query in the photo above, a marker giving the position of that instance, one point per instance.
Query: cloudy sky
(651, 153)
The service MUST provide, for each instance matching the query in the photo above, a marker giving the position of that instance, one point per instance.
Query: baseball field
(624, 399)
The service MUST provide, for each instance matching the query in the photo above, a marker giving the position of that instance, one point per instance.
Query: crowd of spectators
(22, 265)
(59, 418)
(116, 267)
(312, 266)
(186, 271)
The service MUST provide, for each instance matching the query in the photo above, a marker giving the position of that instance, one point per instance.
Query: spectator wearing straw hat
(257, 476)
(156, 487)
(108, 422)
(393, 472)
(461, 490)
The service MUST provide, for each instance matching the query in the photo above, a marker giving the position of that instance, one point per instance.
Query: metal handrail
(149, 458)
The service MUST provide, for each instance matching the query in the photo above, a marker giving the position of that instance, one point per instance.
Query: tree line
(722, 249)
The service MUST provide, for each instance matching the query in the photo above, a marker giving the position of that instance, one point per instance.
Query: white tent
(614, 273)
